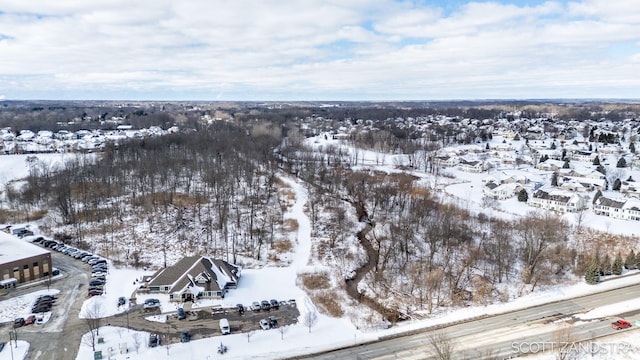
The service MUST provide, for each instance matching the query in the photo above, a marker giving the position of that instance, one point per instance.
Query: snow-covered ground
(280, 283)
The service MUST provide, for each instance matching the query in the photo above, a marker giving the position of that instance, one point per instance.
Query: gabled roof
(218, 274)
(604, 201)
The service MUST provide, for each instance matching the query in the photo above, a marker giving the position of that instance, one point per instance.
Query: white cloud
(318, 49)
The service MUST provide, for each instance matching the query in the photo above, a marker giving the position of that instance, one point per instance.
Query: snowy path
(303, 251)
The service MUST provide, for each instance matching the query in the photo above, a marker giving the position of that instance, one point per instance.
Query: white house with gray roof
(624, 209)
(549, 198)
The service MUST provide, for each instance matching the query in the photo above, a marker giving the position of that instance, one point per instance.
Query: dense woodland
(214, 188)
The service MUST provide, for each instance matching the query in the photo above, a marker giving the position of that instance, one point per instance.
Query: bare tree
(250, 334)
(92, 320)
(441, 344)
(564, 338)
(136, 342)
(310, 319)
(283, 329)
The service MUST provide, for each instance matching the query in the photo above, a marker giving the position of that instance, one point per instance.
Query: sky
(318, 50)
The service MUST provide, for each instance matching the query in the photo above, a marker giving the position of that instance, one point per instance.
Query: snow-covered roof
(13, 249)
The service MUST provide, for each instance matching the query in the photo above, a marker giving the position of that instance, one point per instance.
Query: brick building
(21, 262)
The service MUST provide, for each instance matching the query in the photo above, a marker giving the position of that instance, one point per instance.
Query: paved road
(502, 336)
(59, 338)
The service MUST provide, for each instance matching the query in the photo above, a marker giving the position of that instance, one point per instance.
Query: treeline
(73, 116)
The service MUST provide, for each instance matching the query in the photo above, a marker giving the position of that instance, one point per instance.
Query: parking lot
(204, 322)
(64, 329)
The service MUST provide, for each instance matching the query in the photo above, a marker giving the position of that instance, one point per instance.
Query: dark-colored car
(620, 324)
(181, 314)
(273, 322)
(154, 340)
(97, 281)
(185, 336)
(151, 304)
(19, 322)
(265, 305)
(274, 304)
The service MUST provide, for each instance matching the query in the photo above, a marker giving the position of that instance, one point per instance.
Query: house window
(25, 267)
(35, 264)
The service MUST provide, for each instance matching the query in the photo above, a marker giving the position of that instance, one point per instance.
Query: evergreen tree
(487, 147)
(566, 164)
(632, 148)
(622, 163)
(596, 160)
(601, 170)
(564, 154)
(616, 185)
(617, 264)
(630, 261)
(554, 179)
(590, 147)
(523, 196)
(597, 195)
(553, 145)
(592, 276)
(606, 266)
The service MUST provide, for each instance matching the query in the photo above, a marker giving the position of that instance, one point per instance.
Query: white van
(224, 327)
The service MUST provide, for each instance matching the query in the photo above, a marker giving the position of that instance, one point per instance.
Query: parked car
(97, 281)
(185, 336)
(39, 308)
(94, 292)
(620, 324)
(80, 254)
(47, 298)
(274, 304)
(151, 304)
(264, 324)
(19, 322)
(30, 319)
(225, 328)
(154, 340)
(265, 305)
(255, 306)
(181, 314)
(122, 301)
(273, 322)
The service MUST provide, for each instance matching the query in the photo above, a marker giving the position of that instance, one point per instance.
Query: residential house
(556, 200)
(500, 191)
(447, 161)
(625, 209)
(195, 277)
(471, 165)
